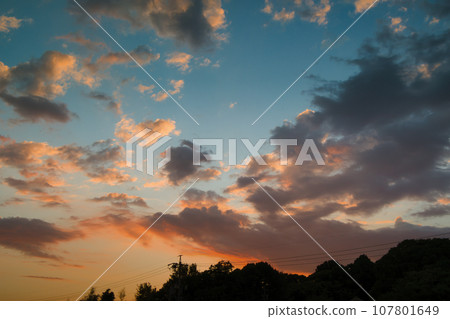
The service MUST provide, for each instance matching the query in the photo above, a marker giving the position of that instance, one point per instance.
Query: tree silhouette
(145, 292)
(414, 270)
(91, 296)
(122, 295)
(222, 267)
(107, 295)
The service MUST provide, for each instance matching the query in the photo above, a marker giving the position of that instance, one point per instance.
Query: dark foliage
(107, 295)
(91, 296)
(414, 270)
(145, 292)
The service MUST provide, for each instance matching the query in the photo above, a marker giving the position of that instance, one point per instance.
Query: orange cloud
(161, 183)
(168, 18)
(25, 153)
(161, 96)
(39, 189)
(127, 127)
(143, 89)
(48, 76)
(9, 23)
(214, 14)
(121, 221)
(268, 7)
(361, 5)
(396, 24)
(283, 15)
(309, 10)
(196, 198)
(180, 60)
(208, 174)
(110, 176)
(43, 165)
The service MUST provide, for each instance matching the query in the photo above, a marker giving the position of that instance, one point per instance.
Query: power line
(134, 278)
(111, 285)
(314, 262)
(340, 250)
(318, 259)
(359, 248)
(297, 260)
(123, 282)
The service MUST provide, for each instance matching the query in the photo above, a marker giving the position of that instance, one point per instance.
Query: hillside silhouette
(413, 270)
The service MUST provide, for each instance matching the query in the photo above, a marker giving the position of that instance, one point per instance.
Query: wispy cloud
(180, 60)
(9, 23)
(44, 277)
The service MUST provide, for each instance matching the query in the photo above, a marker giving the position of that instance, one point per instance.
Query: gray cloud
(33, 237)
(194, 22)
(437, 8)
(97, 161)
(434, 211)
(230, 234)
(46, 76)
(181, 165)
(112, 104)
(13, 201)
(39, 188)
(31, 86)
(38, 185)
(197, 195)
(143, 55)
(80, 39)
(383, 132)
(35, 108)
(121, 200)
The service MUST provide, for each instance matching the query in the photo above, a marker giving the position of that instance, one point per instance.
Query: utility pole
(179, 278)
(174, 264)
(177, 268)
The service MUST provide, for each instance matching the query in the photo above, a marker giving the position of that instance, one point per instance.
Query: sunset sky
(377, 105)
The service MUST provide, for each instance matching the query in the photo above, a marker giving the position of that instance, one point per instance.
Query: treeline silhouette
(413, 270)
